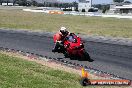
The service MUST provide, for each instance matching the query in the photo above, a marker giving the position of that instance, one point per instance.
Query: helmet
(63, 30)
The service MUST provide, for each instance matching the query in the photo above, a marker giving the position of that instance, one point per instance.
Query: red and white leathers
(59, 37)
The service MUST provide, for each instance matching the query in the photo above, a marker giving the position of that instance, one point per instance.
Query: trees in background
(54, 4)
(119, 1)
(44, 3)
(127, 2)
(34, 3)
(20, 2)
(101, 7)
(75, 5)
(0, 2)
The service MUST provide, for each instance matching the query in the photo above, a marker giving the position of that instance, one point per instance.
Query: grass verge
(19, 19)
(18, 73)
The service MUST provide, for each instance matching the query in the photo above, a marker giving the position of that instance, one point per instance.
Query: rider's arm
(57, 38)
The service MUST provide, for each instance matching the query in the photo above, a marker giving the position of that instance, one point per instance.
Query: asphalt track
(111, 58)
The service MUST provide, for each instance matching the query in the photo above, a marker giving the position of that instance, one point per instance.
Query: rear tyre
(87, 57)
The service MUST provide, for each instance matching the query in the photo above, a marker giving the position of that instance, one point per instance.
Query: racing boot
(56, 47)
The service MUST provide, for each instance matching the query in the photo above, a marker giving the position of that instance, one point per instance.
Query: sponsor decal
(85, 81)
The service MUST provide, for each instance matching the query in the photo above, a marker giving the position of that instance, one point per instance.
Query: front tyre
(87, 56)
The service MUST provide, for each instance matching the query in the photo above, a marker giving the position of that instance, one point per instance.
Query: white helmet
(63, 30)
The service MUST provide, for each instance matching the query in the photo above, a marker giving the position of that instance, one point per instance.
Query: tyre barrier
(91, 70)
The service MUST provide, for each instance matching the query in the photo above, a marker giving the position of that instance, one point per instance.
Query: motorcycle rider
(59, 38)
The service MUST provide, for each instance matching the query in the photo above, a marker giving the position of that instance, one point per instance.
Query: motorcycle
(73, 47)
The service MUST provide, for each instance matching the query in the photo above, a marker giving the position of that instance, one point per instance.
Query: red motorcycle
(73, 47)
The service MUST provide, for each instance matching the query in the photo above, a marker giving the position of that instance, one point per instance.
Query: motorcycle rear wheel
(87, 57)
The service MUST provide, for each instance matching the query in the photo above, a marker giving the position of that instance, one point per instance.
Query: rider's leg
(57, 45)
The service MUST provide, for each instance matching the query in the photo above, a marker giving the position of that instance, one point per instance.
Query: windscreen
(71, 38)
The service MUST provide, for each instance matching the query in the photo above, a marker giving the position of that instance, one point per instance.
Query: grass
(19, 19)
(18, 73)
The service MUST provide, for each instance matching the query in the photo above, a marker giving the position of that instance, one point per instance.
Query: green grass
(18, 73)
(79, 24)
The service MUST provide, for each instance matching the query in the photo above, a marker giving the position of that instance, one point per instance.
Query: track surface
(115, 59)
